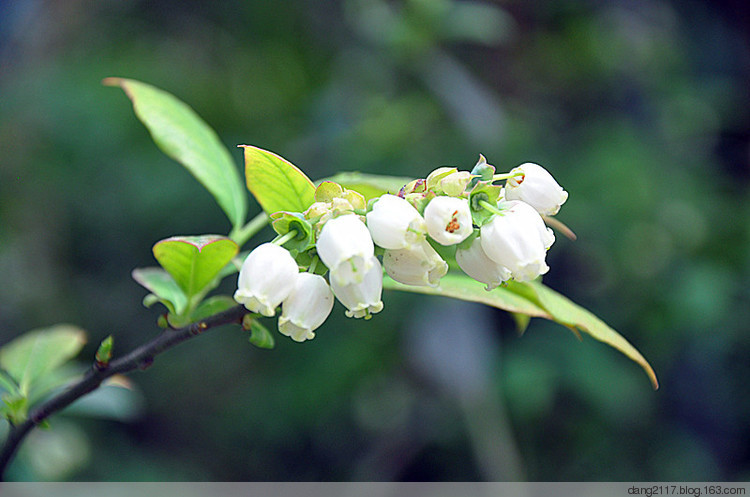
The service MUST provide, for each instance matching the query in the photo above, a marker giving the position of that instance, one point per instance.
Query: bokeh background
(640, 110)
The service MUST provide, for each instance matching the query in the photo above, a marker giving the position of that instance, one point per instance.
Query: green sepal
(285, 222)
(466, 243)
(481, 171)
(483, 191)
(370, 185)
(433, 179)
(327, 191)
(420, 200)
(259, 334)
(305, 259)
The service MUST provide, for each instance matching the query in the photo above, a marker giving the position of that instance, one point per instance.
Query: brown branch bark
(139, 358)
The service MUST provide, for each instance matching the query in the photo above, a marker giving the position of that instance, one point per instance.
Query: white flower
(266, 278)
(394, 223)
(417, 265)
(448, 220)
(362, 299)
(474, 262)
(518, 240)
(306, 308)
(536, 187)
(345, 246)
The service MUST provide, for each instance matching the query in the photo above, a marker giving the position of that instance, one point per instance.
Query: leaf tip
(652, 376)
(112, 81)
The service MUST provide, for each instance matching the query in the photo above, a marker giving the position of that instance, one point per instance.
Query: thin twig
(140, 358)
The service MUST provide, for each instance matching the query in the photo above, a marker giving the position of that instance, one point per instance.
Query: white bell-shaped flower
(345, 246)
(306, 307)
(394, 223)
(536, 187)
(448, 220)
(266, 278)
(364, 298)
(418, 265)
(518, 240)
(475, 263)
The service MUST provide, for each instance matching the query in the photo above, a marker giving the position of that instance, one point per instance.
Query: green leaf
(563, 310)
(110, 401)
(462, 287)
(213, 305)
(195, 261)
(260, 336)
(369, 185)
(481, 171)
(277, 184)
(7, 382)
(163, 287)
(535, 300)
(186, 138)
(487, 192)
(37, 353)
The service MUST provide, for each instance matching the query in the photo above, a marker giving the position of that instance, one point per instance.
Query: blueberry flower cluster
(335, 247)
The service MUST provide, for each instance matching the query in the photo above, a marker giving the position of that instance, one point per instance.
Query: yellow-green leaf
(37, 353)
(276, 183)
(462, 287)
(564, 311)
(194, 261)
(186, 138)
(163, 287)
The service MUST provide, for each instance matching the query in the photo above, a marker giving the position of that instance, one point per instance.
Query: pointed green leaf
(462, 287)
(37, 353)
(369, 185)
(277, 184)
(165, 289)
(564, 311)
(194, 261)
(186, 138)
(535, 300)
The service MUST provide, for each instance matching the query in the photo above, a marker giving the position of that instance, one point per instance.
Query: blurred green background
(639, 109)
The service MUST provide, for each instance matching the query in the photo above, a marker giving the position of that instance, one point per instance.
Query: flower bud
(394, 223)
(418, 265)
(266, 278)
(306, 308)
(518, 240)
(361, 299)
(448, 180)
(536, 187)
(345, 246)
(448, 220)
(475, 263)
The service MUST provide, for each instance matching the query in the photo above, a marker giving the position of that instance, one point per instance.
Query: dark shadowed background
(638, 108)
